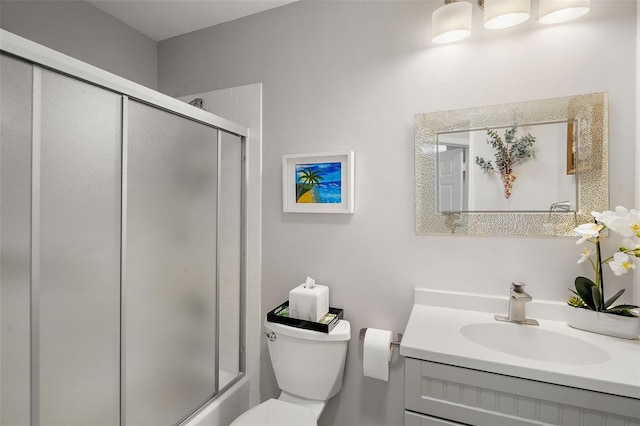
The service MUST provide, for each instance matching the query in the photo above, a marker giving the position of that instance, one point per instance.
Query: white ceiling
(162, 19)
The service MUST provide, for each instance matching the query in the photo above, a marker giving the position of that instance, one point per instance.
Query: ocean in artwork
(319, 183)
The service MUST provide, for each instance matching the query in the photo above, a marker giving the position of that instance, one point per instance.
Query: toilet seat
(276, 412)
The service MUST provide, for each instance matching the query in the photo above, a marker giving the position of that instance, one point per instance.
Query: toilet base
(317, 407)
(275, 412)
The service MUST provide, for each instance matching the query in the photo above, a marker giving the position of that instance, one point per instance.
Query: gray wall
(351, 75)
(78, 29)
(636, 277)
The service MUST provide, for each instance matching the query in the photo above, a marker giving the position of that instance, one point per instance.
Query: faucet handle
(518, 287)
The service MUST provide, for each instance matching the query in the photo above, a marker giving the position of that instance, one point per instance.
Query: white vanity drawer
(481, 398)
(413, 419)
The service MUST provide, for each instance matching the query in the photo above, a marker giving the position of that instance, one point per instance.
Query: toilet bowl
(309, 367)
(276, 412)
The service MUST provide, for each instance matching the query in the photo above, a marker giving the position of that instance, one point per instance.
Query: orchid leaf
(623, 310)
(597, 301)
(613, 298)
(619, 307)
(584, 288)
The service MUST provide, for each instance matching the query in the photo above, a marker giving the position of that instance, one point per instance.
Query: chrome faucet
(517, 298)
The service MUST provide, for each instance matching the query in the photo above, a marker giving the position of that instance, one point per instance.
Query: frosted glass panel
(229, 247)
(15, 243)
(79, 253)
(169, 279)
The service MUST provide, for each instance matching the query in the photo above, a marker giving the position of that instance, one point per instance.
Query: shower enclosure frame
(41, 58)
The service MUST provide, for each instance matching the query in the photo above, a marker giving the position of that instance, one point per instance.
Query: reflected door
(450, 180)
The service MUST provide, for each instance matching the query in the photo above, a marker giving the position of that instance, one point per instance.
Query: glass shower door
(75, 254)
(229, 253)
(15, 239)
(169, 266)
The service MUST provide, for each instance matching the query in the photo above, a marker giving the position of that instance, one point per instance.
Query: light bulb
(500, 14)
(556, 11)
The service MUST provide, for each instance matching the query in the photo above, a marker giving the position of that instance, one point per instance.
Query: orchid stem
(599, 280)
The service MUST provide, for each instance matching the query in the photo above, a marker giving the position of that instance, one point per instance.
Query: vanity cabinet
(441, 394)
(413, 419)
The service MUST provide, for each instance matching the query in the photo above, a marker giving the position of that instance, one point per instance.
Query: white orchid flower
(631, 244)
(588, 230)
(605, 217)
(609, 216)
(635, 222)
(621, 263)
(622, 221)
(585, 254)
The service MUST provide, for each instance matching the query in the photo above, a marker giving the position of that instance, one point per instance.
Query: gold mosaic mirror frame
(589, 111)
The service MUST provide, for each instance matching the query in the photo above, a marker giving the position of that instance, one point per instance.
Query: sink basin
(534, 343)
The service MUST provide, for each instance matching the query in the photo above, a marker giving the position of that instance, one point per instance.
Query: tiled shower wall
(242, 105)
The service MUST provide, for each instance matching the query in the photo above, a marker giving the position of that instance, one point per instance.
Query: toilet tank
(307, 363)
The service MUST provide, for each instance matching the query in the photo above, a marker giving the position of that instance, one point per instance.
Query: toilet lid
(276, 412)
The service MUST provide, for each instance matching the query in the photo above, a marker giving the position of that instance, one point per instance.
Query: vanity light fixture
(451, 22)
(556, 11)
(500, 14)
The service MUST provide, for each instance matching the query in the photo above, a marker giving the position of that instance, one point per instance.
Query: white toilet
(309, 366)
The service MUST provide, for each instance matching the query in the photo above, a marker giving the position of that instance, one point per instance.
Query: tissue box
(309, 304)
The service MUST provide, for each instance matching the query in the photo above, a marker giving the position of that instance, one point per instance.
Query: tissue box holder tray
(273, 316)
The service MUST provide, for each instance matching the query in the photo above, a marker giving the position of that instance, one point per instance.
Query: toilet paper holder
(395, 343)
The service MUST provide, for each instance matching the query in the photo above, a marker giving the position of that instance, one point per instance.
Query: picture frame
(318, 182)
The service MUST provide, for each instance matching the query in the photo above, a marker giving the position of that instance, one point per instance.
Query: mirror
(465, 185)
(534, 168)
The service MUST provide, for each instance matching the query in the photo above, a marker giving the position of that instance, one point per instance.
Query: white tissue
(376, 354)
(309, 303)
(309, 283)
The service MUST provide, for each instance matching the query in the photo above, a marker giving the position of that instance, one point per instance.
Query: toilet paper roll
(376, 353)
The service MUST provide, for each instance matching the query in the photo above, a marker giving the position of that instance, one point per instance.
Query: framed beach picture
(318, 183)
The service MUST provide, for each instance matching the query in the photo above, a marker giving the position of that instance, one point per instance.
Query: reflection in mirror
(538, 181)
(534, 168)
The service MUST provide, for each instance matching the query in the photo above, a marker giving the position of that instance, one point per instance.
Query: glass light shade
(505, 13)
(451, 22)
(556, 11)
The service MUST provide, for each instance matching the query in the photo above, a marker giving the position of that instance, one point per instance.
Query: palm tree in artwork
(307, 180)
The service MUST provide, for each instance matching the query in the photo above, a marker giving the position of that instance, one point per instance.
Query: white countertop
(433, 334)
